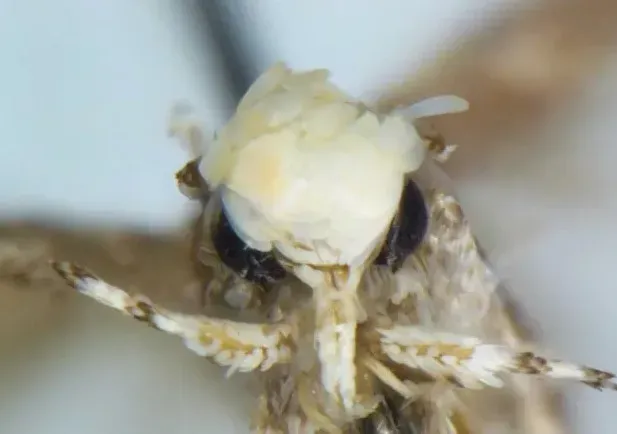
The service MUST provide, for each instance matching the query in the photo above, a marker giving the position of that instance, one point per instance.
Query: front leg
(239, 346)
(471, 363)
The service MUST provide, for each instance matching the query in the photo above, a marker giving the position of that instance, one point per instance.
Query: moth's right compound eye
(255, 266)
(407, 229)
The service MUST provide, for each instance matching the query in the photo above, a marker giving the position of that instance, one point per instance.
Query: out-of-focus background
(86, 173)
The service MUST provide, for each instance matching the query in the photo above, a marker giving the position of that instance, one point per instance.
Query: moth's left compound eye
(252, 265)
(407, 229)
(255, 266)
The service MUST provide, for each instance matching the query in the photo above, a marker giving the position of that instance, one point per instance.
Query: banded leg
(537, 413)
(472, 363)
(240, 346)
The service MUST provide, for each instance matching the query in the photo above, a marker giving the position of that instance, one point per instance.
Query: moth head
(300, 156)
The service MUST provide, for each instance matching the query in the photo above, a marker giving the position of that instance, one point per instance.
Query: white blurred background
(85, 91)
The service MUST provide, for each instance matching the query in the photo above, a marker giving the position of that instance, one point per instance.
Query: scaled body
(313, 183)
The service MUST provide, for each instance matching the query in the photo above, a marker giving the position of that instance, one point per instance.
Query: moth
(357, 291)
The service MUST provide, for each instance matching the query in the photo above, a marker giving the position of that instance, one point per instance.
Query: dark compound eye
(257, 267)
(407, 229)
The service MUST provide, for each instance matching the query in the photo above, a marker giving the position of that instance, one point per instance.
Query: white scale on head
(308, 170)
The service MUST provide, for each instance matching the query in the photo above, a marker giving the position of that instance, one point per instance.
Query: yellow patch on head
(259, 172)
